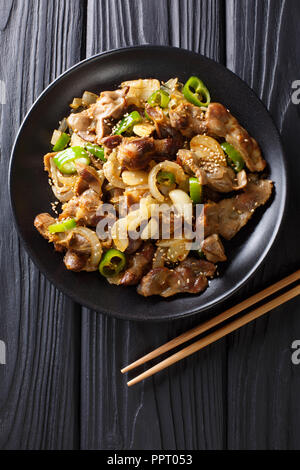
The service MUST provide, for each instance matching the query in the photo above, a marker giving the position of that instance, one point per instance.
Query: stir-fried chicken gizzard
(147, 143)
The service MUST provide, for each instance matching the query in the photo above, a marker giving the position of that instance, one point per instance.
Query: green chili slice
(113, 262)
(196, 92)
(63, 226)
(195, 190)
(236, 159)
(128, 122)
(166, 177)
(159, 98)
(65, 160)
(96, 150)
(61, 142)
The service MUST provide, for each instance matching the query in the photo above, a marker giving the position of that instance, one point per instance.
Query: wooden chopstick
(184, 337)
(216, 335)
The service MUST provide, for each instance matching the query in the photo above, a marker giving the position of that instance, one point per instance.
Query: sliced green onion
(128, 122)
(61, 142)
(166, 177)
(236, 159)
(195, 190)
(159, 98)
(196, 92)
(64, 226)
(65, 160)
(113, 262)
(96, 150)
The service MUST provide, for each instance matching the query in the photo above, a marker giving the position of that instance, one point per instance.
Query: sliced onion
(62, 185)
(62, 196)
(95, 245)
(130, 223)
(112, 171)
(119, 234)
(209, 152)
(89, 98)
(178, 248)
(55, 136)
(151, 230)
(63, 125)
(135, 178)
(140, 89)
(183, 204)
(165, 166)
(145, 129)
(160, 257)
(77, 141)
(76, 103)
(171, 84)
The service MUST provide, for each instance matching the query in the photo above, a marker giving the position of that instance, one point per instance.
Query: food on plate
(152, 178)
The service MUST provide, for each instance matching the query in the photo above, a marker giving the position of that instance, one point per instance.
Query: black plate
(31, 194)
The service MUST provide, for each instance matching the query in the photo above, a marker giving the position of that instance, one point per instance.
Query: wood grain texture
(61, 387)
(39, 385)
(183, 408)
(263, 385)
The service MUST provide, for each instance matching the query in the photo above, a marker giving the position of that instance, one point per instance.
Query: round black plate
(31, 194)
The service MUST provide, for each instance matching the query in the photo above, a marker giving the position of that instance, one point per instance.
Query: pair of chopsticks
(221, 332)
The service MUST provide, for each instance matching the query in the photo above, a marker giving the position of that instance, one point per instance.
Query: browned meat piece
(219, 122)
(82, 124)
(156, 282)
(75, 261)
(213, 249)
(41, 223)
(96, 162)
(47, 159)
(115, 194)
(220, 178)
(93, 123)
(133, 196)
(135, 154)
(224, 180)
(110, 105)
(111, 141)
(84, 208)
(228, 216)
(189, 277)
(88, 178)
(139, 263)
(133, 246)
(162, 123)
(188, 119)
(167, 147)
(199, 266)
(160, 120)
(76, 242)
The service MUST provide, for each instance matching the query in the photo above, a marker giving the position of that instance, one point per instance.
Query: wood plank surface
(61, 386)
(263, 384)
(184, 408)
(39, 385)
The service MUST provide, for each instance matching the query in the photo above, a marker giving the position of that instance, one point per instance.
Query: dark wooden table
(61, 387)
